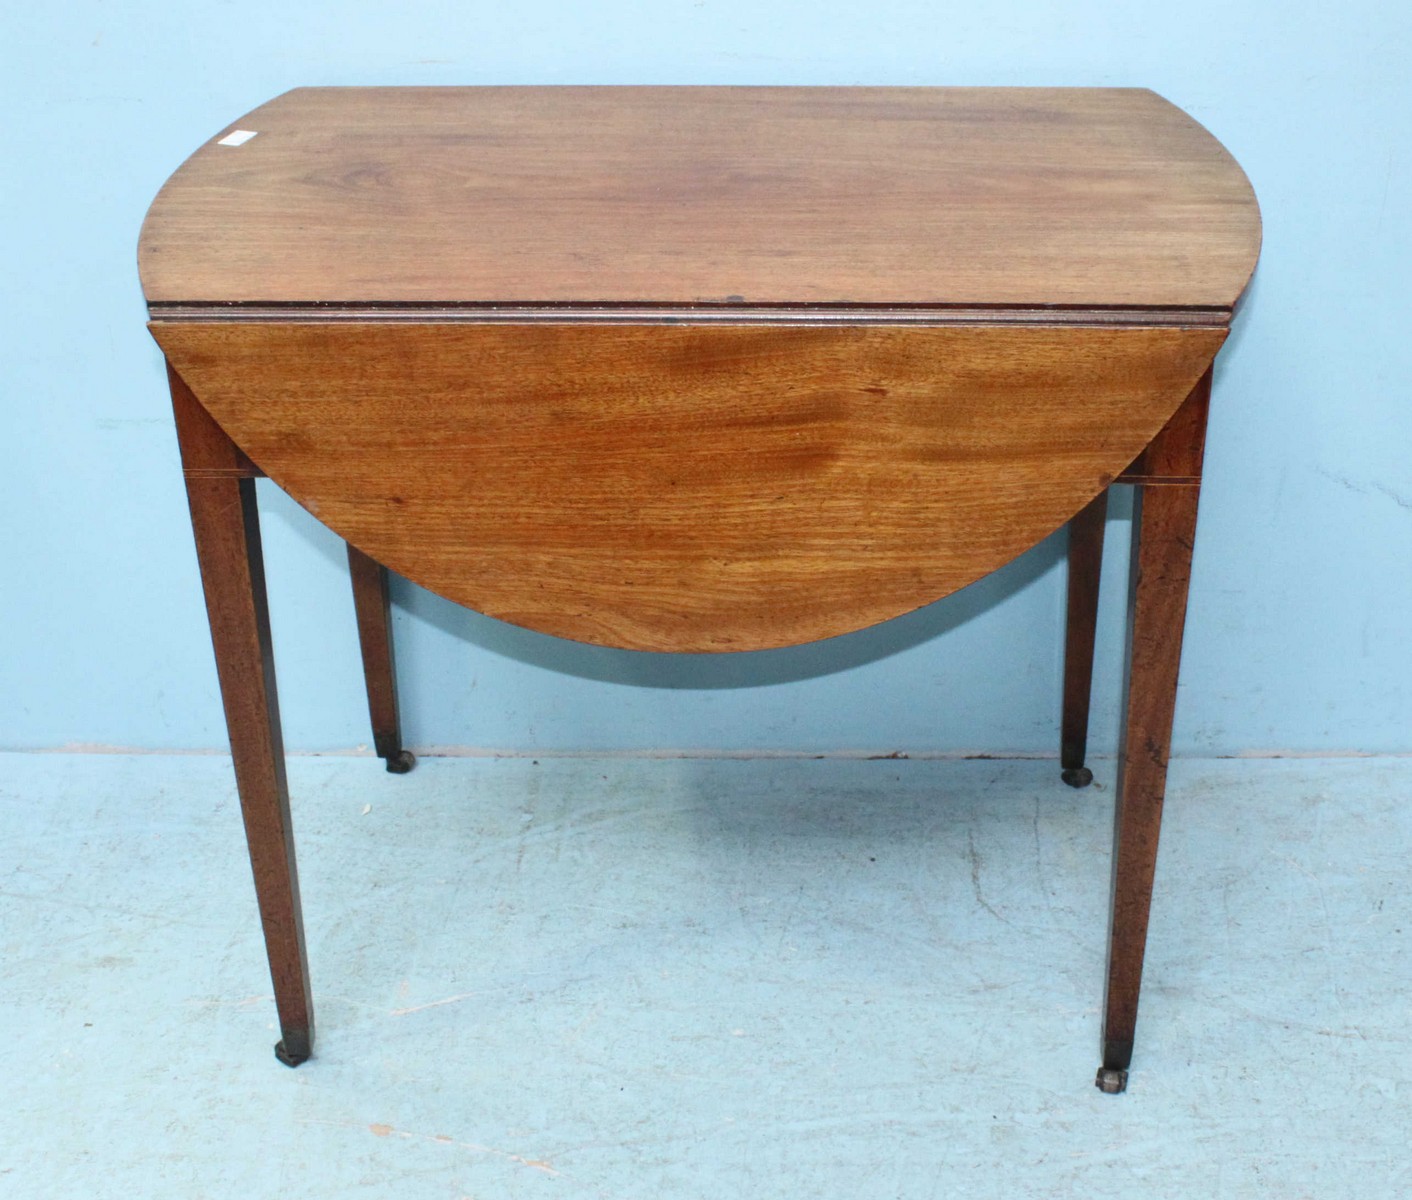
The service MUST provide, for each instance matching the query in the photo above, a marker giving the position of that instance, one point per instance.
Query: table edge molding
(647, 314)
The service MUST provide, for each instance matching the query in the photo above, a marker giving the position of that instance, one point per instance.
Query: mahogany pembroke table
(699, 369)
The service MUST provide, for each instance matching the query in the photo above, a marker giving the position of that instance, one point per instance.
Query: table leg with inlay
(1168, 475)
(220, 488)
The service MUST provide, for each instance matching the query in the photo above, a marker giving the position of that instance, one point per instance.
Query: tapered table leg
(1081, 619)
(1168, 478)
(370, 601)
(1164, 530)
(221, 490)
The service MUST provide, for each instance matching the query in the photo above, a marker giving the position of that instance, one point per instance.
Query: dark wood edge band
(251, 471)
(243, 472)
(1159, 480)
(1200, 318)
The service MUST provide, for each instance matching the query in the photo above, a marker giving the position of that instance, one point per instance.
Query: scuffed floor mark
(416, 1008)
(378, 1129)
(976, 862)
(237, 1002)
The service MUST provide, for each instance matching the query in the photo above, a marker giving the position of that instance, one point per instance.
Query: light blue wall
(1301, 615)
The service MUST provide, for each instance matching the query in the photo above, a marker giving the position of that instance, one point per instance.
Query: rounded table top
(697, 368)
(733, 196)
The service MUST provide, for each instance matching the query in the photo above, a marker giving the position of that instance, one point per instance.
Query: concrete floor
(689, 978)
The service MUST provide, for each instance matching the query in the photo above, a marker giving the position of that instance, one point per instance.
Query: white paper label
(238, 138)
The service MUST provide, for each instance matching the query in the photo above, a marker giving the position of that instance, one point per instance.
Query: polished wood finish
(1174, 456)
(689, 488)
(1085, 553)
(226, 524)
(372, 605)
(1164, 533)
(1087, 197)
(700, 369)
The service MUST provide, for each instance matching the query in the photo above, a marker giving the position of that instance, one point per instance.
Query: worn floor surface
(635, 978)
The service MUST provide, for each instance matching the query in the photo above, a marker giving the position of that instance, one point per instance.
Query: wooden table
(698, 369)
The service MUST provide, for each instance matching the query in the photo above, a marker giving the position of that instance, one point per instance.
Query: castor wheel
(401, 762)
(1075, 777)
(1111, 1080)
(299, 1053)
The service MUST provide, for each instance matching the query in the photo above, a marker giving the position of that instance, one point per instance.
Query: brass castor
(401, 762)
(1111, 1080)
(292, 1057)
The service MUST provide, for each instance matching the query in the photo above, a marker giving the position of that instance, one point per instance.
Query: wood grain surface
(1085, 555)
(688, 487)
(1093, 198)
(1163, 538)
(226, 525)
(373, 608)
